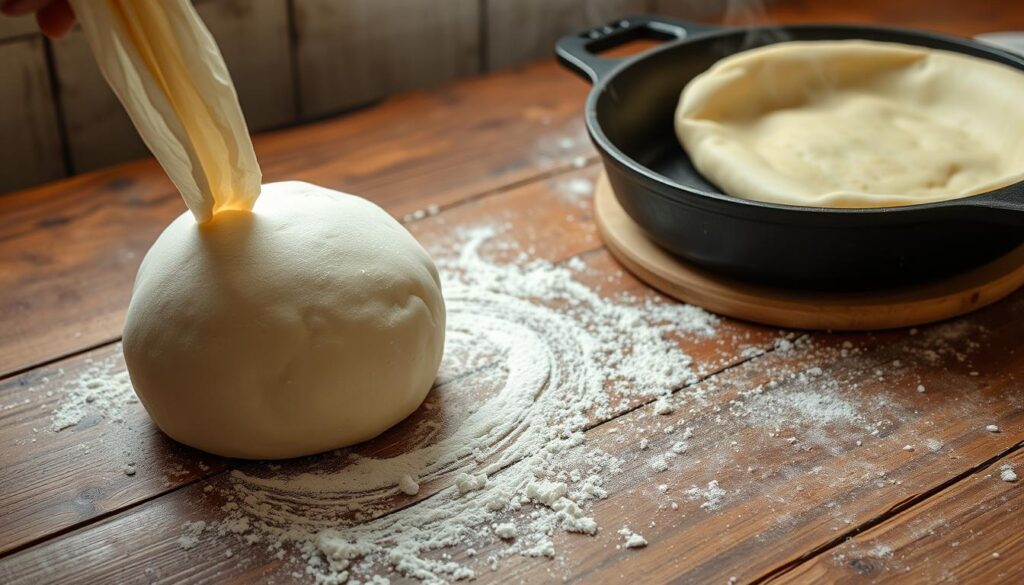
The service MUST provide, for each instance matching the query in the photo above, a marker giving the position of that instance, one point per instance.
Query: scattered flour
(505, 530)
(881, 551)
(548, 355)
(632, 539)
(712, 495)
(466, 483)
(517, 469)
(659, 464)
(577, 190)
(192, 532)
(663, 406)
(408, 485)
(1007, 473)
(428, 211)
(103, 390)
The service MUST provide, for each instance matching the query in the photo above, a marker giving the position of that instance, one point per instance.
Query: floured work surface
(584, 426)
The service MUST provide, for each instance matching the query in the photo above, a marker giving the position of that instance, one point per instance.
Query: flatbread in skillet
(854, 124)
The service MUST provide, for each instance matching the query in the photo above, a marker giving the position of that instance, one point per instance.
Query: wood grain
(495, 150)
(968, 533)
(794, 481)
(351, 53)
(53, 480)
(791, 482)
(72, 248)
(30, 151)
(83, 476)
(526, 30)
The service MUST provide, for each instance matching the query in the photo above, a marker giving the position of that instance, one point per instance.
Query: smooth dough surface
(313, 322)
(854, 124)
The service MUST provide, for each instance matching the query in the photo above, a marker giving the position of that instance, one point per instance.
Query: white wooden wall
(291, 60)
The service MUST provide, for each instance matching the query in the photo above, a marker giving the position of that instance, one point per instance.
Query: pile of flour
(102, 389)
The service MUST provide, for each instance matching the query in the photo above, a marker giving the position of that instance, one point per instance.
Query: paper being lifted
(165, 67)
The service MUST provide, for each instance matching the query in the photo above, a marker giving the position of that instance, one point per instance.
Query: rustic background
(291, 60)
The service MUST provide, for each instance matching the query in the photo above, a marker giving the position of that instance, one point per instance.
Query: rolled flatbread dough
(854, 124)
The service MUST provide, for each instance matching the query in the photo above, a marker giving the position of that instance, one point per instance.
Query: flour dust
(496, 460)
(541, 352)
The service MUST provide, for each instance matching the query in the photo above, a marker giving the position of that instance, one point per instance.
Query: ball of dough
(313, 322)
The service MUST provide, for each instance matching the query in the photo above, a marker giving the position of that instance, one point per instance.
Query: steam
(753, 15)
(745, 13)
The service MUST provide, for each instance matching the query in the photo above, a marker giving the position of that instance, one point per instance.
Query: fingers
(56, 18)
(22, 7)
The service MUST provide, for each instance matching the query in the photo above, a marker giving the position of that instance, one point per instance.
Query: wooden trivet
(796, 309)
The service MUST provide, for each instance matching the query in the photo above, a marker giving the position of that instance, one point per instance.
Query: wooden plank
(109, 457)
(526, 30)
(351, 53)
(799, 463)
(972, 529)
(793, 504)
(99, 132)
(253, 36)
(801, 466)
(30, 152)
(539, 216)
(74, 245)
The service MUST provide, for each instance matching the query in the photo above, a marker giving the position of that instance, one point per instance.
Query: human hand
(55, 17)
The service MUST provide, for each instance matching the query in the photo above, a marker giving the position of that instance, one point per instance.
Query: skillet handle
(578, 52)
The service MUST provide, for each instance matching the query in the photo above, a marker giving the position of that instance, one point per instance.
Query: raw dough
(854, 124)
(286, 325)
(314, 321)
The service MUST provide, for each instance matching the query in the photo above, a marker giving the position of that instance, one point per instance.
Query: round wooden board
(794, 309)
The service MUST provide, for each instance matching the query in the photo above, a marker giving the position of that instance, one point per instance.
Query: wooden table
(487, 150)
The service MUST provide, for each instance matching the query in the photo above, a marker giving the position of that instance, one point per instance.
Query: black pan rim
(708, 32)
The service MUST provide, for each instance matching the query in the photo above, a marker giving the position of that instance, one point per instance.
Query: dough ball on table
(314, 322)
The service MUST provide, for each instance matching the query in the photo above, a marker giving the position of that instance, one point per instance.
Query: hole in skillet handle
(581, 52)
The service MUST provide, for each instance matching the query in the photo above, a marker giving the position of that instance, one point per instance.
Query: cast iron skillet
(629, 115)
